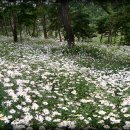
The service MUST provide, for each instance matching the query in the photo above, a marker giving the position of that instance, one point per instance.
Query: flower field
(51, 86)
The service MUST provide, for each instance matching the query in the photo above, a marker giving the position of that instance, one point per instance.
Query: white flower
(11, 73)
(86, 121)
(23, 103)
(106, 117)
(28, 117)
(32, 82)
(46, 111)
(63, 124)
(106, 126)
(55, 113)
(102, 112)
(73, 111)
(126, 127)
(27, 98)
(81, 117)
(89, 118)
(19, 107)
(65, 108)
(26, 109)
(7, 80)
(126, 115)
(19, 82)
(74, 92)
(8, 103)
(48, 87)
(56, 120)
(45, 103)
(6, 121)
(9, 117)
(124, 110)
(127, 123)
(83, 100)
(101, 121)
(72, 124)
(114, 121)
(48, 118)
(39, 118)
(12, 111)
(35, 106)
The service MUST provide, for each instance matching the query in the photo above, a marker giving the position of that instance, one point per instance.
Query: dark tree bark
(20, 33)
(110, 31)
(59, 33)
(44, 27)
(13, 21)
(101, 38)
(27, 31)
(14, 15)
(34, 28)
(110, 37)
(4, 26)
(64, 9)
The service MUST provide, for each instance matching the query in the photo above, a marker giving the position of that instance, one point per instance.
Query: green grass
(82, 84)
(96, 56)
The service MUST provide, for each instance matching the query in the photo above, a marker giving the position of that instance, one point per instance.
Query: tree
(65, 18)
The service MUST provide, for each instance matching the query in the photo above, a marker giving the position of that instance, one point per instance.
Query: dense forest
(69, 20)
(64, 65)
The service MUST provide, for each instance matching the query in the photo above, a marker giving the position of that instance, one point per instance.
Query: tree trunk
(15, 26)
(101, 38)
(110, 31)
(20, 33)
(44, 27)
(59, 35)
(5, 26)
(28, 31)
(110, 36)
(66, 22)
(34, 28)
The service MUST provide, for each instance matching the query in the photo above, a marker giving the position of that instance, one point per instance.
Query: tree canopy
(71, 19)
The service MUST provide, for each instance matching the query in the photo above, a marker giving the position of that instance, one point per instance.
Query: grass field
(51, 85)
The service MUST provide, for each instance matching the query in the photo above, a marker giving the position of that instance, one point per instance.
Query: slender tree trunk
(34, 28)
(44, 27)
(4, 21)
(116, 33)
(110, 37)
(15, 26)
(101, 38)
(5, 26)
(121, 39)
(1, 25)
(59, 35)
(28, 31)
(11, 23)
(67, 22)
(38, 30)
(20, 33)
(110, 31)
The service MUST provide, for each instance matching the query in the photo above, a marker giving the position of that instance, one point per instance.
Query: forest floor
(46, 84)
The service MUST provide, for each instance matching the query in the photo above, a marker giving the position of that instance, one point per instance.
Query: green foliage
(102, 25)
(96, 56)
(54, 17)
(27, 14)
(118, 22)
(2, 95)
(81, 22)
